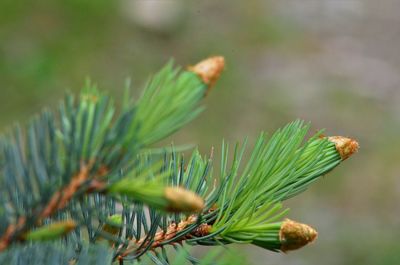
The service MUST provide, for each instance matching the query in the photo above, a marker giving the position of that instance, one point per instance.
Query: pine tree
(85, 184)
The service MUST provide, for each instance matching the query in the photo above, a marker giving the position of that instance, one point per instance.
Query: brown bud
(345, 146)
(202, 230)
(209, 69)
(294, 235)
(182, 200)
(69, 226)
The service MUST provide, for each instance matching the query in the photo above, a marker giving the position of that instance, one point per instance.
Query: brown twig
(161, 236)
(11, 230)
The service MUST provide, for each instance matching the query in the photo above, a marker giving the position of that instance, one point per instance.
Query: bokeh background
(335, 63)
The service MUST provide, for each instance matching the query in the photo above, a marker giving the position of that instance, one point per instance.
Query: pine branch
(89, 176)
(56, 253)
(56, 164)
(246, 207)
(277, 170)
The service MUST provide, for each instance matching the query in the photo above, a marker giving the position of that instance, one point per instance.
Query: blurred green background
(334, 63)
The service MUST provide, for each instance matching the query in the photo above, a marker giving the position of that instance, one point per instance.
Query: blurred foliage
(281, 65)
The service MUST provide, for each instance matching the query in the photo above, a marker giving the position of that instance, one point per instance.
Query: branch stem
(59, 200)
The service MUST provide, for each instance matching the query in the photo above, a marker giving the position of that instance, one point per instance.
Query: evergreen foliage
(84, 184)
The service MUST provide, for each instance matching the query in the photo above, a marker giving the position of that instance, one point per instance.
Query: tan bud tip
(345, 146)
(70, 225)
(66, 226)
(209, 69)
(182, 200)
(294, 235)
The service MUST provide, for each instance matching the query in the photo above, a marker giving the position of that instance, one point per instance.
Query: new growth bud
(293, 235)
(52, 231)
(154, 194)
(345, 146)
(182, 200)
(113, 224)
(209, 69)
